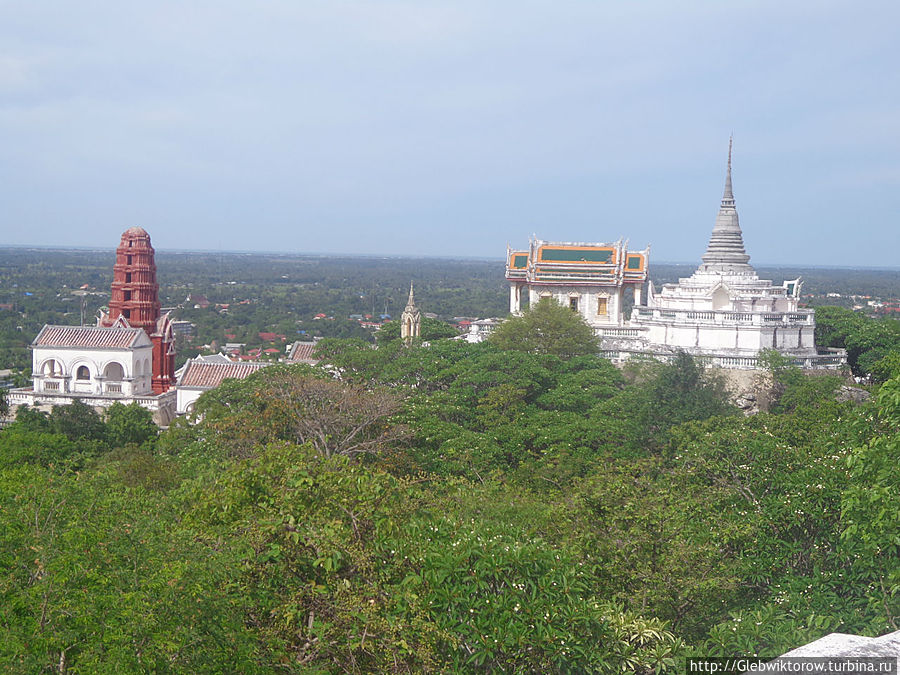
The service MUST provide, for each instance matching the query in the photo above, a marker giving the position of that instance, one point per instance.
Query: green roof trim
(576, 255)
(634, 262)
(519, 261)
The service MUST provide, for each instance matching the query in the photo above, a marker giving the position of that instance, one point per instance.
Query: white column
(514, 301)
(620, 304)
(637, 295)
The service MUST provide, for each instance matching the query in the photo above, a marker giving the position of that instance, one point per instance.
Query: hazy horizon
(399, 256)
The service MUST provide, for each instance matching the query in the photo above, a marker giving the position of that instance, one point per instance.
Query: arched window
(114, 371)
(52, 368)
(83, 373)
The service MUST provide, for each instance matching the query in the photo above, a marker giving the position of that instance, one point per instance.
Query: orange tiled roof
(302, 351)
(87, 336)
(208, 375)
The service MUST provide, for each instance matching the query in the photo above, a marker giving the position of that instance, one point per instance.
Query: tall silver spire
(725, 252)
(728, 195)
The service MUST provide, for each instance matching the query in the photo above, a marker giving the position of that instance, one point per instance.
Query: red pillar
(163, 357)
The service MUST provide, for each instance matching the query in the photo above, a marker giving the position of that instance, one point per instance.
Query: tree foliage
(547, 328)
(129, 424)
(289, 403)
(451, 508)
(867, 341)
(77, 421)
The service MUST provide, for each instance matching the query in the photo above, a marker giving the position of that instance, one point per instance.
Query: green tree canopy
(129, 424)
(32, 419)
(547, 328)
(76, 421)
(868, 341)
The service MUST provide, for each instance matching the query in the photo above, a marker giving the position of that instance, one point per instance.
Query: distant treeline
(283, 292)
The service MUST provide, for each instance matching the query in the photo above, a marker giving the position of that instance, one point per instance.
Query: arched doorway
(721, 299)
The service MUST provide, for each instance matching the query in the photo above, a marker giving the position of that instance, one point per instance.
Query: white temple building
(591, 279)
(723, 313)
(92, 360)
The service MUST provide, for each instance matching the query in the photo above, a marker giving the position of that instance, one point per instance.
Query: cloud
(484, 120)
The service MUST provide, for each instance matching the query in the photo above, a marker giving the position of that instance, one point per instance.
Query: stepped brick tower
(135, 301)
(135, 293)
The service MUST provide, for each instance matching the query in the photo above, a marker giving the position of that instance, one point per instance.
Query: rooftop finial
(729, 194)
(410, 301)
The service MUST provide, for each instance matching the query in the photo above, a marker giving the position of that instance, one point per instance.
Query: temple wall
(726, 338)
(588, 297)
(162, 407)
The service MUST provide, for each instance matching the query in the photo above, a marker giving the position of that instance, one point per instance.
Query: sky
(436, 128)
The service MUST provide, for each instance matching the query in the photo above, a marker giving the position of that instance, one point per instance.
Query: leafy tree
(871, 514)
(684, 390)
(888, 367)
(588, 381)
(667, 549)
(547, 328)
(103, 579)
(77, 421)
(328, 348)
(871, 343)
(766, 631)
(32, 419)
(867, 341)
(20, 444)
(835, 324)
(129, 424)
(355, 570)
(791, 388)
(288, 403)
(669, 394)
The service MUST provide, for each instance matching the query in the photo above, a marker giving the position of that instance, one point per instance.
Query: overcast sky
(452, 128)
